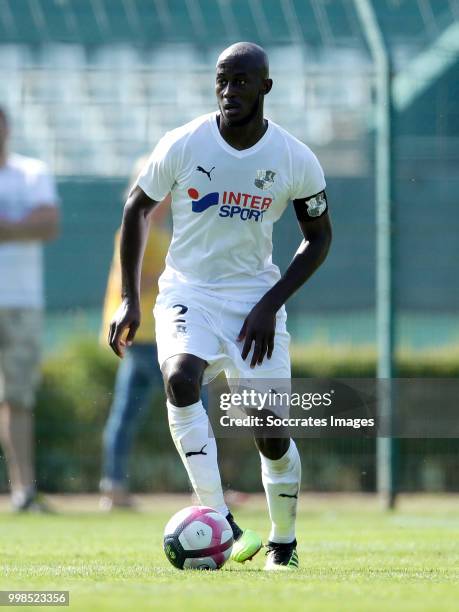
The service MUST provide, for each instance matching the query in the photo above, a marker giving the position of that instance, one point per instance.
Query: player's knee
(182, 379)
(182, 387)
(273, 448)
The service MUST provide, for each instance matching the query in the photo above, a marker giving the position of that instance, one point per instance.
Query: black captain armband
(312, 207)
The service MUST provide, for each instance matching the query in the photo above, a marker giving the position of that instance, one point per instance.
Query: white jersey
(225, 202)
(25, 183)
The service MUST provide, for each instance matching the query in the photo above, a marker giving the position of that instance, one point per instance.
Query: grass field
(353, 557)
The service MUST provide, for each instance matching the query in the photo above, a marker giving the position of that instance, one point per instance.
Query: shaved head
(249, 54)
(242, 81)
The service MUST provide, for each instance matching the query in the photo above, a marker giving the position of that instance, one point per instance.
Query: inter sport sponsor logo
(244, 206)
(202, 204)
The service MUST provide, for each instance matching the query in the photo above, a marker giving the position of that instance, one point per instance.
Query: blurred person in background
(138, 376)
(28, 217)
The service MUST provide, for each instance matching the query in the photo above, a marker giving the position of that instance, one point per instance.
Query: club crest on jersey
(264, 179)
(316, 205)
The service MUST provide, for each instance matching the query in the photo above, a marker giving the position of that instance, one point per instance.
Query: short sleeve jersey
(25, 184)
(225, 203)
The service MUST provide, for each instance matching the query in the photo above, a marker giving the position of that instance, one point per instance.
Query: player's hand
(127, 317)
(259, 328)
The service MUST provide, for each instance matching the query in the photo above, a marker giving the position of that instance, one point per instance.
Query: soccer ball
(198, 537)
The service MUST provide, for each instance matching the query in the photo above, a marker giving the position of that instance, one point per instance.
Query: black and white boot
(281, 556)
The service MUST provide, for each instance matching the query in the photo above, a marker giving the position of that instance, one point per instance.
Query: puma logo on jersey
(201, 169)
(201, 452)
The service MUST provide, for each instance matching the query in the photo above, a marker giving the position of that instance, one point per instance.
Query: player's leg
(190, 428)
(187, 346)
(192, 435)
(281, 476)
(136, 381)
(280, 462)
(190, 350)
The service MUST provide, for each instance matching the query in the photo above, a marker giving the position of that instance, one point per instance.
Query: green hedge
(344, 361)
(72, 408)
(76, 393)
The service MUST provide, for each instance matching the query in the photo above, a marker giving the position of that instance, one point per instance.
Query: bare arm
(149, 281)
(311, 253)
(40, 224)
(259, 325)
(134, 233)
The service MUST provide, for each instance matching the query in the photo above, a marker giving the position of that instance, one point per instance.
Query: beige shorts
(20, 355)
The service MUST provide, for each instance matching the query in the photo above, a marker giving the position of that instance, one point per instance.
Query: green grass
(353, 557)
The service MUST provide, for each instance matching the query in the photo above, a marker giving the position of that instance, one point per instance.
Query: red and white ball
(198, 537)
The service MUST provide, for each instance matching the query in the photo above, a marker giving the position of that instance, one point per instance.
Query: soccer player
(221, 300)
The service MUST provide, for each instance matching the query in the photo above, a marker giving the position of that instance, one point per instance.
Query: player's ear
(267, 86)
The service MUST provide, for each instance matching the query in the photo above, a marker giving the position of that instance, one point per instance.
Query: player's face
(239, 91)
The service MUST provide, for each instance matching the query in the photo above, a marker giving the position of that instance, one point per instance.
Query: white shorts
(188, 321)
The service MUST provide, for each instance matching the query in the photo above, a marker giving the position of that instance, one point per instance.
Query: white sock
(190, 429)
(281, 480)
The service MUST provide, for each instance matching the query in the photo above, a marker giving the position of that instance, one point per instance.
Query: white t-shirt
(24, 185)
(225, 202)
